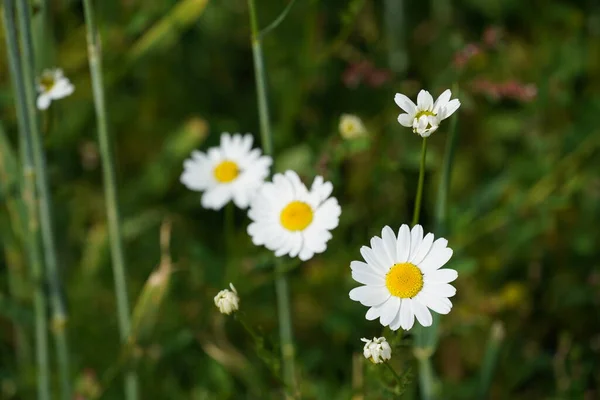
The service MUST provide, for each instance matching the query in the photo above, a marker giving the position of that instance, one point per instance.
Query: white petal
(380, 252)
(424, 100)
(405, 103)
(441, 101)
(367, 278)
(43, 101)
(440, 289)
(395, 324)
(440, 305)
(362, 267)
(373, 313)
(403, 244)
(422, 250)
(422, 313)
(450, 108)
(445, 275)
(389, 310)
(416, 237)
(406, 120)
(370, 258)
(389, 242)
(407, 318)
(438, 256)
(369, 295)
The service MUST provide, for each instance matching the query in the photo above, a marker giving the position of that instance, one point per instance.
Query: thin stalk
(419, 197)
(28, 193)
(261, 84)
(59, 314)
(490, 359)
(112, 209)
(426, 339)
(286, 340)
(277, 20)
(281, 285)
(426, 378)
(393, 371)
(441, 208)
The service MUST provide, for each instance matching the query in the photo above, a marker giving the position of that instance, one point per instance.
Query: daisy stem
(285, 325)
(261, 84)
(57, 306)
(426, 379)
(393, 371)
(112, 209)
(490, 359)
(419, 197)
(441, 208)
(28, 195)
(281, 284)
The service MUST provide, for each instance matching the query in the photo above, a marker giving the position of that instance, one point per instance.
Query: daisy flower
(227, 301)
(403, 279)
(377, 350)
(351, 127)
(52, 85)
(287, 218)
(232, 171)
(425, 116)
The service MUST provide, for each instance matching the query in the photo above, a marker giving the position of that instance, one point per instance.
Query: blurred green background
(524, 204)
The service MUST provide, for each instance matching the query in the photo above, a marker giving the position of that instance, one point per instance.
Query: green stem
(28, 194)
(112, 210)
(441, 209)
(490, 359)
(59, 314)
(261, 84)
(277, 20)
(281, 285)
(426, 379)
(286, 340)
(419, 197)
(393, 371)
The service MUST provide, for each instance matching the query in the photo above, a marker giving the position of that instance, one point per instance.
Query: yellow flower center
(296, 216)
(424, 112)
(47, 82)
(404, 280)
(226, 171)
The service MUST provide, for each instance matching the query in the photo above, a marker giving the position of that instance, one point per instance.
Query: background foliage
(523, 216)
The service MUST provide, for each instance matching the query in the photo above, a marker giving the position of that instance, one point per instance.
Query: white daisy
(52, 85)
(351, 127)
(403, 279)
(290, 219)
(232, 171)
(425, 116)
(377, 350)
(227, 301)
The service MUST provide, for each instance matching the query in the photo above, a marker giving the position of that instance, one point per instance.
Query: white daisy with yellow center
(52, 85)
(232, 171)
(403, 279)
(425, 116)
(351, 127)
(287, 218)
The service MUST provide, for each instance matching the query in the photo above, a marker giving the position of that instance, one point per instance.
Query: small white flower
(425, 116)
(290, 219)
(232, 171)
(227, 301)
(403, 279)
(351, 126)
(52, 85)
(377, 350)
